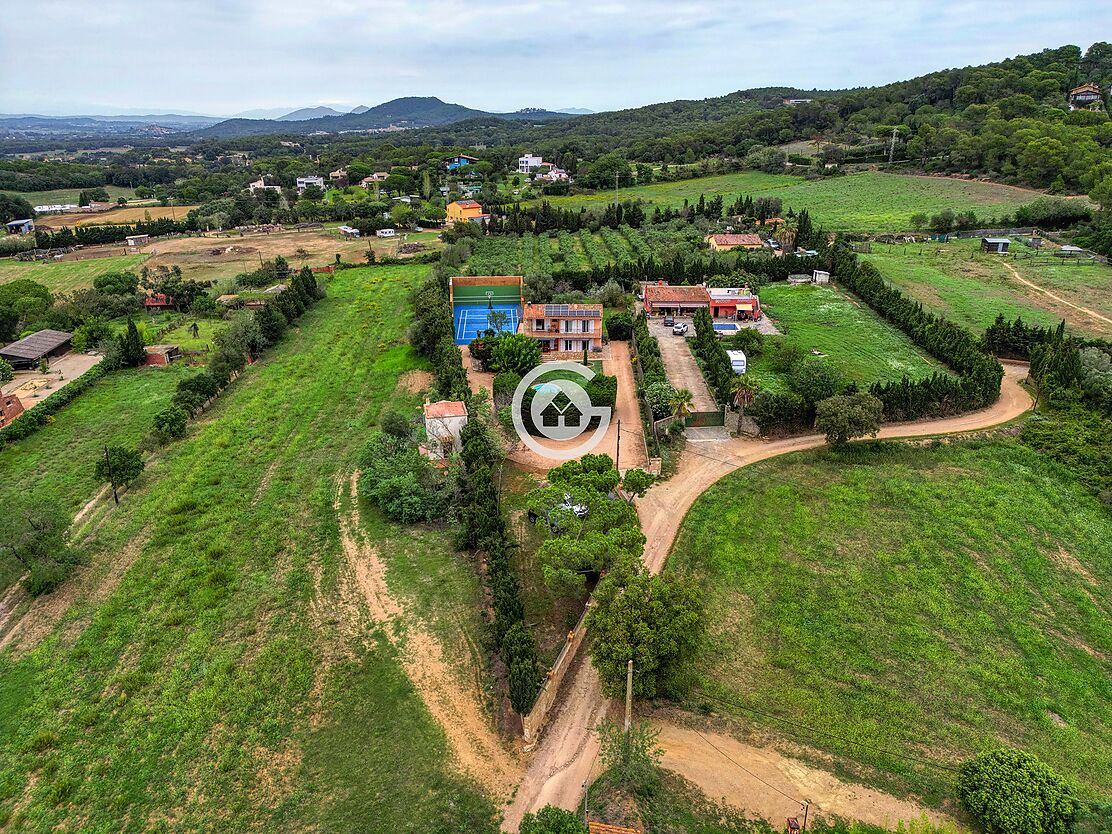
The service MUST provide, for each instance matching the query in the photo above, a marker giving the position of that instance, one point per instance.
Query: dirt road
(680, 365)
(1091, 313)
(569, 746)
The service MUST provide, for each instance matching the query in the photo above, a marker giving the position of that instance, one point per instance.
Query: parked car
(679, 329)
(580, 510)
(669, 321)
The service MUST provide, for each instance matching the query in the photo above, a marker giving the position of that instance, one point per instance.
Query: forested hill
(1009, 120)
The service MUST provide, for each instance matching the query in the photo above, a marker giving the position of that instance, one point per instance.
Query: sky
(221, 57)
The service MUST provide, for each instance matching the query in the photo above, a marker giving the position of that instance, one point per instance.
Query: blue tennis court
(472, 319)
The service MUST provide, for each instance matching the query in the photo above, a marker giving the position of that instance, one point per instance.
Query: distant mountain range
(408, 112)
(400, 113)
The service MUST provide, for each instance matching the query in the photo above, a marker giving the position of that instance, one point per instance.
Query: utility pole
(892, 147)
(806, 811)
(585, 822)
(618, 453)
(629, 699)
(112, 479)
(616, 200)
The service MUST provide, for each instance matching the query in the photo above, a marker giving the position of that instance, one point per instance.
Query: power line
(817, 731)
(747, 770)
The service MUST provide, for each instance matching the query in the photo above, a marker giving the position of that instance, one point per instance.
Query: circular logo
(545, 399)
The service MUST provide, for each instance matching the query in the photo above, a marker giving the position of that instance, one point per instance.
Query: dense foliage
(1012, 792)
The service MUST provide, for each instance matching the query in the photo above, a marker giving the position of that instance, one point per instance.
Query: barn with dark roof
(30, 350)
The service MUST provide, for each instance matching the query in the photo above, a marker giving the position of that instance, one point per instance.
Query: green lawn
(971, 288)
(864, 347)
(867, 202)
(924, 601)
(55, 464)
(61, 196)
(67, 276)
(231, 681)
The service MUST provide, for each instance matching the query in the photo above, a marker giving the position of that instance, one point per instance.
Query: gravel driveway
(679, 363)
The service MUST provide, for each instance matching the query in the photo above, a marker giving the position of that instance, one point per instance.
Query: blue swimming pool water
(725, 326)
(472, 319)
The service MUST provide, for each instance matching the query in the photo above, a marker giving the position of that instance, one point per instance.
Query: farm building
(349, 231)
(474, 297)
(444, 421)
(10, 408)
(724, 242)
(998, 245)
(461, 161)
(20, 227)
(158, 301)
(161, 354)
(386, 233)
(664, 299)
(734, 303)
(229, 300)
(738, 362)
(466, 211)
(29, 351)
(135, 241)
(566, 328)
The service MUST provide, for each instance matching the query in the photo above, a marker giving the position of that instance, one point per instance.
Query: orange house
(466, 211)
(564, 328)
(724, 242)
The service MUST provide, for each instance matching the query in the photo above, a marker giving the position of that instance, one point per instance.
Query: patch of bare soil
(476, 748)
(414, 381)
(762, 781)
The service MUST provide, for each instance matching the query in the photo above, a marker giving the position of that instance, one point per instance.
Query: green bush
(400, 481)
(1008, 791)
(169, 424)
(619, 326)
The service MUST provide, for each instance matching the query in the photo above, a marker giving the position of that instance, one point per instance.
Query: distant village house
(726, 242)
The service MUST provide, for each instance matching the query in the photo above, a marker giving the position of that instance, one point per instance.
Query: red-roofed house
(665, 299)
(159, 301)
(724, 243)
(444, 420)
(10, 408)
(564, 328)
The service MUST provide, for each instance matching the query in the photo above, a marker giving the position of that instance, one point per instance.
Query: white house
(386, 232)
(260, 185)
(444, 421)
(554, 174)
(526, 164)
(136, 241)
(305, 182)
(737, 361)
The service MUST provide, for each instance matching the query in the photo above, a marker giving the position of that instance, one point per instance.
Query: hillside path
(569, 746)
(1091, 313)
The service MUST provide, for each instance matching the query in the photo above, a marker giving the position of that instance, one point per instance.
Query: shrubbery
(400, 481)
(1009, 791)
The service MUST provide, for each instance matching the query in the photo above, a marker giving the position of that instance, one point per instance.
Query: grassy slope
(66, 276)
(227, 684)
(971, 288)
(856, 595)
(55, 463)
(870, 201)
(68, 195)
(860, 344)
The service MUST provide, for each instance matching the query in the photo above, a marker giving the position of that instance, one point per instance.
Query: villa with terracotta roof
(665, 299)
(564, 328)
(1086, 97)
(725, 242)
(466, 211)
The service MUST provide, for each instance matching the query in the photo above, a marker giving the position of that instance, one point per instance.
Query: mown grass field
(232, 681)
(61, 196)
(861, 345)
(971, 287)
(866, 202)
(67, 276)
(853, 594)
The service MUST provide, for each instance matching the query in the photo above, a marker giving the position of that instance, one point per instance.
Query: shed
(161, 354)
(998, 245)
(159, 301)
(821, 276)
(738, 362)
(1070, 251)
(135, 241)
(444, 422)
(20, 227)
(10, 408)
(30, 350)
(349, 231)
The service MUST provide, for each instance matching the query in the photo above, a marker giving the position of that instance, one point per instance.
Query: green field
(970, 287)
(864, 347)
(67, 276)
(867, 202)
(55, 464)
(853, 594)
(61, 196)
(231, 681)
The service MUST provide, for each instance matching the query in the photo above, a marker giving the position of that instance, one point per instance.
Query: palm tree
(681, 403)
(742, 390)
